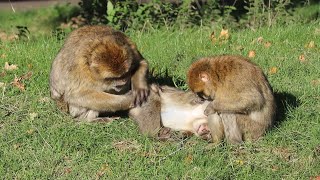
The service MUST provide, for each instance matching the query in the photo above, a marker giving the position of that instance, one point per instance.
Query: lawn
(39, 142)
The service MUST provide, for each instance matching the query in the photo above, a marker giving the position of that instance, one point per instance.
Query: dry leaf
(30, 131)
(16, 146)
(3, 56)
(33, 115)
(224, 34)
(302, 58)
(104, 169)
(2, 84)
(213, 38)
(26, 76)
(310, 45)
(315, 82)
(240, 162)
(10, 67)
(273, 70)
(267, 44)
(67, 170)
(188, 159)
(259, 39)
(315, 178)
(126, 145)
(17, 83)
(252, 54)
(274, 168)
(3, 73)
(29, 66)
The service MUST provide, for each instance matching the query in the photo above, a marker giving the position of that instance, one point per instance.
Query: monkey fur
(243, 105)
(97, 70)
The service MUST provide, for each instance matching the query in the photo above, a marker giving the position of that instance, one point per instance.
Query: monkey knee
(83, 113)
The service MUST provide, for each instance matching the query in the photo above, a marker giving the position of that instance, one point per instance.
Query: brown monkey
(95, 71)
(242, 106)
(171, 109)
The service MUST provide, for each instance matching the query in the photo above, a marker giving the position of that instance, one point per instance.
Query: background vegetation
(39, 142)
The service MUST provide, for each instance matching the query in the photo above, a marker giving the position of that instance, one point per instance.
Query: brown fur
(240, 92)
(158, 116)
(95, 70)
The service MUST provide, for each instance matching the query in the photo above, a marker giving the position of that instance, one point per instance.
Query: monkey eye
(203, 96)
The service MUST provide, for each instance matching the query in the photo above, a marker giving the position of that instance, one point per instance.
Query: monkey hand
(140, 95)
(209, 109)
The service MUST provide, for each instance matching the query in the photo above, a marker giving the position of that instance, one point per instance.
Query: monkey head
(199, 79)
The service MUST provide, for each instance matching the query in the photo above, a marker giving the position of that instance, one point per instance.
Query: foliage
(125, 14)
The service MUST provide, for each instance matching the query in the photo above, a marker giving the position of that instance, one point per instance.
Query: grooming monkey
(243, 105)
(95, 71)
(169, 108)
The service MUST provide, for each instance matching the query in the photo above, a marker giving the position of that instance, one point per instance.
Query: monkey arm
(101, 101)
(242, 103)
(139, 84)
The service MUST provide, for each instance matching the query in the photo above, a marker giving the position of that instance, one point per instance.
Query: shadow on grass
(285, 103)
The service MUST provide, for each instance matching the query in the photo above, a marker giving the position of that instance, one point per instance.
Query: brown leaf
(188, 159)
(213, 38)
(10, 67)
(259, 39)
(30, 131)
(251, 54)
(273, 70)
(26, 76)
(302, 58)
(67, 170)
(3, 56)
(16, 146)
(104, 169)
(224, 34)
(315, 82)
(310, 45)
(267, 44)
(126, 145)
(17, 83)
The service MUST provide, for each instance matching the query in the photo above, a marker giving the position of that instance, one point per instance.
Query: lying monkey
(171, 109)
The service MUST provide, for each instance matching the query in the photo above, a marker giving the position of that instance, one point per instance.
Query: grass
(39, 142)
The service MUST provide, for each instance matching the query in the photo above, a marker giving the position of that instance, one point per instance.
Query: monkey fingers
(209, 109)
(140, 96)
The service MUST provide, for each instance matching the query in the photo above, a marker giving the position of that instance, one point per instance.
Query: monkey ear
(204, 77)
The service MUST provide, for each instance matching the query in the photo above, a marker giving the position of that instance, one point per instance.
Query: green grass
(39, 142)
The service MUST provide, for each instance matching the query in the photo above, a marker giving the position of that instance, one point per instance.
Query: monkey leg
(216, 127)
(89, 115)
(231, 129)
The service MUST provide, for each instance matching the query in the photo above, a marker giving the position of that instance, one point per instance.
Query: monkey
(98, 70)
(170, 109)
(242, 103)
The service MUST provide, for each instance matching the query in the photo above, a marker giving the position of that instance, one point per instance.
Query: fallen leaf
(29, 66)
(302, 58)
(259, 39)
(251, 54)
(10, 67)
(315, 82)
(267, 44)
(273, 70)
(274, 168)
(310, 45)
(44, 99)
(239, 48)
(2, 74)
(16, 146)
(67, 170)
(2, 84)
(126, 145)
(33, 115)
(213, 38)
(30, 131)
(188, 159)
(240, 162)
(104, 169)
(17, 83)
(315, 178)
(224, 34)
(3, 56)
(26, 76)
